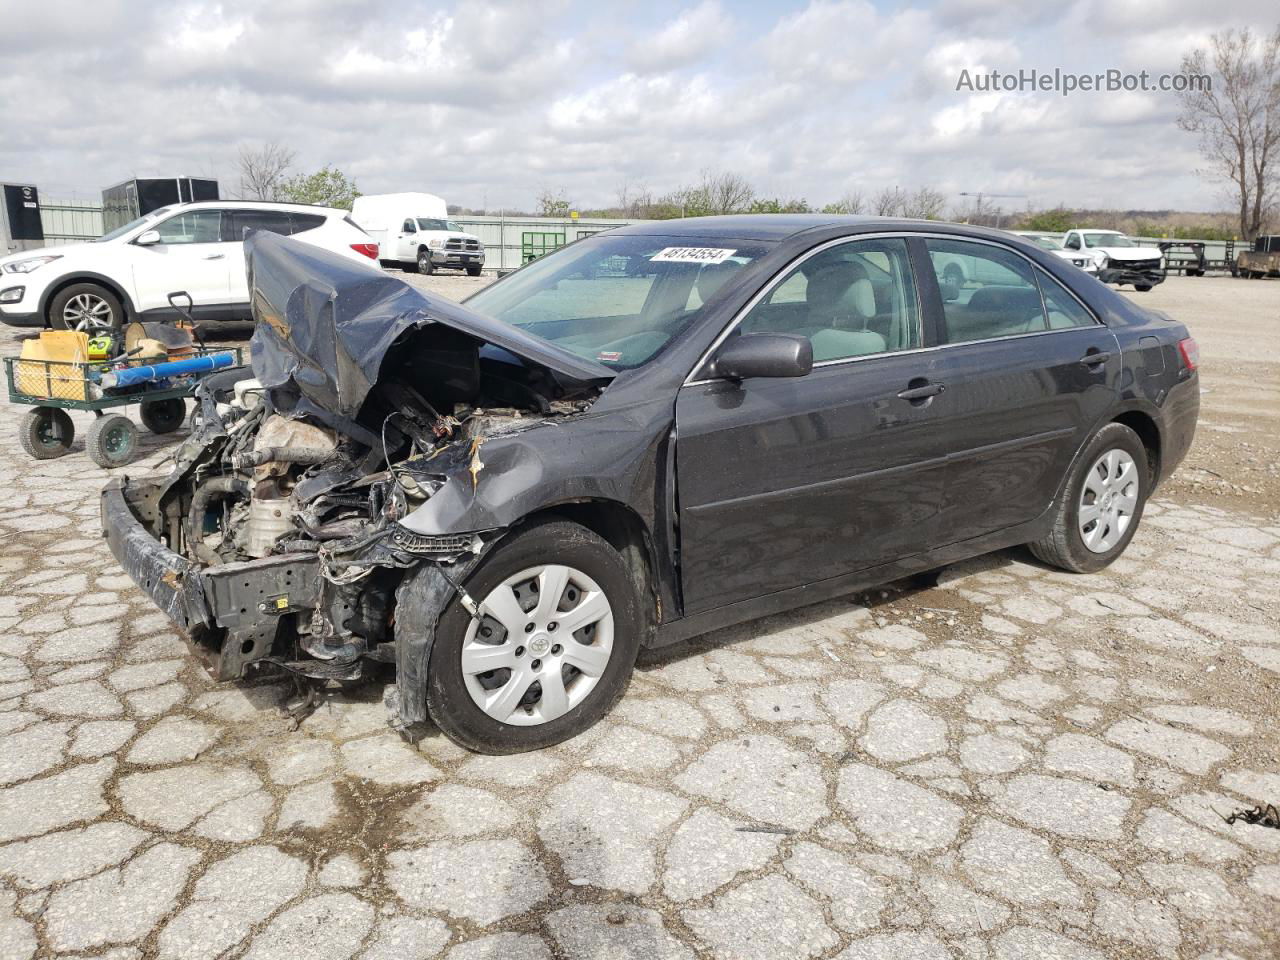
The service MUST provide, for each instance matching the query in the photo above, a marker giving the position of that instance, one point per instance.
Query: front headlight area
(30, 263)
(436, 244)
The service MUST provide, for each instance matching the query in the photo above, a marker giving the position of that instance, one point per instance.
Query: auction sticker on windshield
(692, 255)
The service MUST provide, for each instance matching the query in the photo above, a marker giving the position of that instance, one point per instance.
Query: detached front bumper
(228, 614)
(1122, 273)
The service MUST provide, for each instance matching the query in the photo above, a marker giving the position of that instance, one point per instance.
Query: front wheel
(425, 266)
(1142, 287)
(551, 649)
(1098, 511)
(473, 271)
(46, 432)
(112, 441)
(86, 307)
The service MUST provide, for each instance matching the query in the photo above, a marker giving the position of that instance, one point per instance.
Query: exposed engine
(263, 477)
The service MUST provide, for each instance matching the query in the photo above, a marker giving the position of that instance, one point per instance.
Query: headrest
(830, 289)
(713, 276)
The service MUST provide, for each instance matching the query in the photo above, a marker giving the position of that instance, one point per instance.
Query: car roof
(777, 227)
(255, 205)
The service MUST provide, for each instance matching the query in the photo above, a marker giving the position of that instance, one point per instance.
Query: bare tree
(850, 203)
(262, 171)
(553, 203)
(924, 204)
(634, 200)
(889, 202)
(1237, 118)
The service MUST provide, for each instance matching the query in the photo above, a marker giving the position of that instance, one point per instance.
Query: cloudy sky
(487, 104)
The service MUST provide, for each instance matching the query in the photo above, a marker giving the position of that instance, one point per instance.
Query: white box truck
(414, 231)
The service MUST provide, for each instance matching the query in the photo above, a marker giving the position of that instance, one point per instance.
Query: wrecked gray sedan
(638, 438)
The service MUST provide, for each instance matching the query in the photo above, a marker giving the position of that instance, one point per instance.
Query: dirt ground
(1009, 763)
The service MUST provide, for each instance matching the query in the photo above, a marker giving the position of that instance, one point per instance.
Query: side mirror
(764, 355)
(147, 238)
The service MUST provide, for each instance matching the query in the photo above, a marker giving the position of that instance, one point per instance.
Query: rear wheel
(46, 432)
(1098, 511)
(551, 649)
(424, 262)
(86, 307)
(112, 441)
(163, 416)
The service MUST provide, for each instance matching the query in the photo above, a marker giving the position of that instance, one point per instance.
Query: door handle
(923, 391)
(1095, 357)
(213, 256)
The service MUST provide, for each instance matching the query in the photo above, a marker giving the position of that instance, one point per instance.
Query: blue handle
(160, 371)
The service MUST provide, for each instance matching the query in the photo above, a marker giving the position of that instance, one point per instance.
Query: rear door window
(273, 221)
(303, 222)
(987, 292)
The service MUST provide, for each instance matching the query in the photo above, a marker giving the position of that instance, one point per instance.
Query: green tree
(1050, 221)
(327, 187)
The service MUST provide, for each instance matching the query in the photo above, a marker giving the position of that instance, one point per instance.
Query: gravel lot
(1012, 763)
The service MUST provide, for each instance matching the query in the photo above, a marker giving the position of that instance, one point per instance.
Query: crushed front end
(279, 538)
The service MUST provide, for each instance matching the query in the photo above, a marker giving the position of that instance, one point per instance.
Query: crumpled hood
(324, 323)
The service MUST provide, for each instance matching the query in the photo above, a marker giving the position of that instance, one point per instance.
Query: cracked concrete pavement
(1010, 763)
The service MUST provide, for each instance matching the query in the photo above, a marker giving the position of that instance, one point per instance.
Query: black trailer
(131, 199)
(20, 225)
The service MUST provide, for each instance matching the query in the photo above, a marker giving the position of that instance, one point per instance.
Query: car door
(784, 482)
(235, 224)
(190, 255)
(407, 243)
(1028, 373)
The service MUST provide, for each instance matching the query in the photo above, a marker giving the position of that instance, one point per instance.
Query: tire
(558, 544)
(46, 433)
(473, 271)
(410, 266)
(1142, 287)
(425, 266)
(1065, 545)
(86, 306)
(163, 416)
(112, 441)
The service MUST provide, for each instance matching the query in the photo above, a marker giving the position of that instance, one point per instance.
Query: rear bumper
(1178, 418)
(228, 614)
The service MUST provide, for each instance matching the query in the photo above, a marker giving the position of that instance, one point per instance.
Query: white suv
(130, 272)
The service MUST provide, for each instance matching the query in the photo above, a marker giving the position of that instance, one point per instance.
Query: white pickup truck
(414, 231)
(1117, 258)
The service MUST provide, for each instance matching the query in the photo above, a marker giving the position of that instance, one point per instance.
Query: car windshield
(121, 231)
(427, 223)
(1107, 240)
(1047, 243)
(617, 299)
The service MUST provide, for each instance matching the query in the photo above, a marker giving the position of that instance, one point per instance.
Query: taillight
(370, 250)
(1190, 353)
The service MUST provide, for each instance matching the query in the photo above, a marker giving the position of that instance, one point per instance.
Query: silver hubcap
(87, 312)
(538, 645)
(1108, 500)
